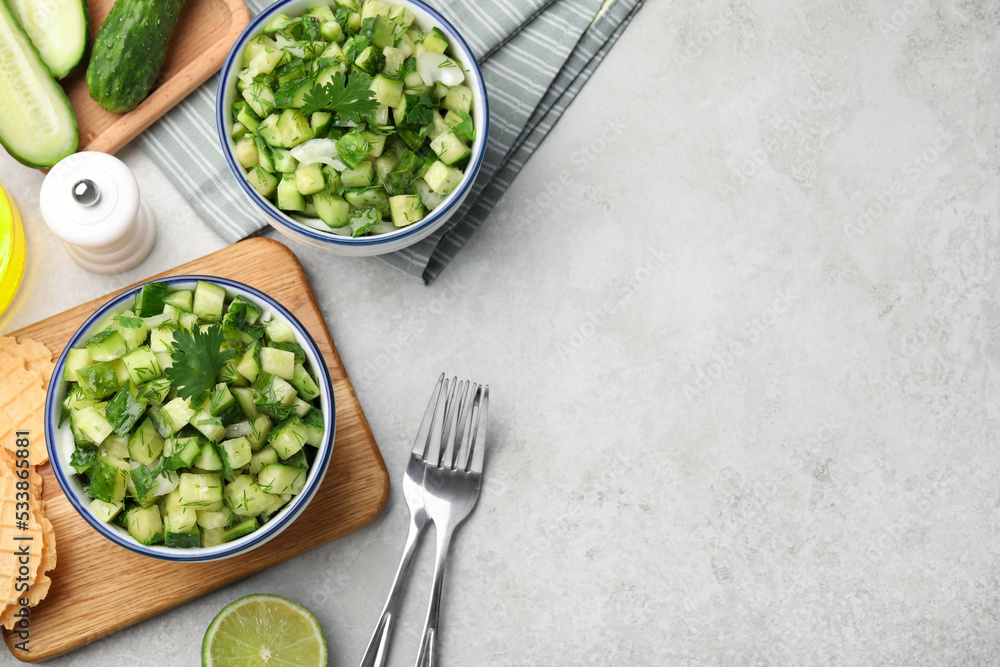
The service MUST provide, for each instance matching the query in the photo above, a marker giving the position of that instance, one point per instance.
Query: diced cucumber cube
(368, 197)
(264, 457)
(458, 98)
(123, 411)
(320, 122)
(211, 427)
(145, 524)
(374, 8)
(215, 519)
(255, 45)
(371, 60)
(141, 365)
(114, 447)
(202, 491)
(283, 160)
(76, 359)
(442, 178)
(220, 400)
(247, 366)
(289, 197)
(405, 209)
(235, 452)
(359, 177)
(435, 41)
(209, 458)
(304, 383)
(261, 428)
(292, 129)
(278, 478)
(314, 427)
(212, 537)
(289, 437)
(105, 511)
(277, 362)
(149, 300)
(279, 331)
(246, 152)
(393, 63)
(450, 148)
(175, 414)
(107, 345)
(145, 445)
(133, 329)
(209, 300)
(179, 539)
(98, 380)
(388, 91)
(332, 209)
(245, 497)
(264, 62)
(309, 178)
(155, 391)
(108, 481)
(240, 529)
(92, 424)
(121, 372)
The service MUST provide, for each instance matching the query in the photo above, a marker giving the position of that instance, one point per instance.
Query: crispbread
(25, 369)
(21, 537)
(22, 407)
(35, 355)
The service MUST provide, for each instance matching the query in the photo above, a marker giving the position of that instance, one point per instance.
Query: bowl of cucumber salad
(354, 126)
(193, 419)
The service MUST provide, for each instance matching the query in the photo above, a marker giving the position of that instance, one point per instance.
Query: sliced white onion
(439, 68)
(319, 150)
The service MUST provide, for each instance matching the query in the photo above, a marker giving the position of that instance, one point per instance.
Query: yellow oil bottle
(12, 249)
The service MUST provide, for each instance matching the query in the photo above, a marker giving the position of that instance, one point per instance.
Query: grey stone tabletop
(738, 316)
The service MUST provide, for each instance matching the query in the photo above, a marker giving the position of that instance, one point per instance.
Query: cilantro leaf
(84, 456)
(465, 129)
(198, 357)
(419, 110)
(350, 98)
(127, 322)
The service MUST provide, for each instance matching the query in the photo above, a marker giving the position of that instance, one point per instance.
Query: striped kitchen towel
(535, 56)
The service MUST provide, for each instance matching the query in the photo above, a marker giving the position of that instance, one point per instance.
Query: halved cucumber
(37, 124)
(57, 28)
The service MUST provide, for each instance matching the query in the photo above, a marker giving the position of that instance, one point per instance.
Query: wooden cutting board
(205, 31)
(99, 588)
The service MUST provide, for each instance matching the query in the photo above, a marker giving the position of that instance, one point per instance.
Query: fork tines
(460, 424)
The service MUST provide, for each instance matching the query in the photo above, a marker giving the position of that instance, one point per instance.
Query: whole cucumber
(129, 51)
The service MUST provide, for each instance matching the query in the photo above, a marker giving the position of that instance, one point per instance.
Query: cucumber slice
(37, 124)
(57, 28)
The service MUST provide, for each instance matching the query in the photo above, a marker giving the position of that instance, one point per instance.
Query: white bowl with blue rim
(312, 232)
(60, 444)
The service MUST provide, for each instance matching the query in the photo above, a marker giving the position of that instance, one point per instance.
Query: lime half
(264, 630)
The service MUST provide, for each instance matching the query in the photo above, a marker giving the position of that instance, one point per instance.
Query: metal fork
(451, 483)
(378, 646)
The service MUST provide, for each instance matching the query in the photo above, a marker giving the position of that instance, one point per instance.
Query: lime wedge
(264, 630)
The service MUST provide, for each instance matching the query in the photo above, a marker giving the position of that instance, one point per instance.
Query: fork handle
(427, 657)
(378, 646)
